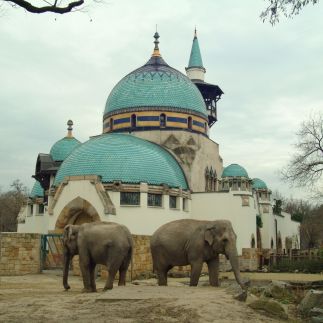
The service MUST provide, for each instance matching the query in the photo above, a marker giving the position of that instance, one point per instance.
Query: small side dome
(62, 148)
(234, 170)
(37, 190)
(259, 184)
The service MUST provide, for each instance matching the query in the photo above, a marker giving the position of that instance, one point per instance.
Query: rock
(316, 311)
(144, 282)
(317, 319)
(241, 297)
(269, 307)
(279, 290)
(313, 298)
(257, 290)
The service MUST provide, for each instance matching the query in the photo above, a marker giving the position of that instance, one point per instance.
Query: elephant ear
(208, 236)
(68, 231)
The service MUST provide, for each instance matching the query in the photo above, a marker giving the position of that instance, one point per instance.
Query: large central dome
(155, 85)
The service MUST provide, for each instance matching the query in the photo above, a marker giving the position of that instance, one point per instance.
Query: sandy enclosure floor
(40, 298)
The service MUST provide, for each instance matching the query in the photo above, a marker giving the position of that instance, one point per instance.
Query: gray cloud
(55, 70)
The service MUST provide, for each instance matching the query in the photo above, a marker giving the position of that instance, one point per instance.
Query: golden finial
(156, 49)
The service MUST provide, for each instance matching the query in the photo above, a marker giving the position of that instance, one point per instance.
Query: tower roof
(195, 57)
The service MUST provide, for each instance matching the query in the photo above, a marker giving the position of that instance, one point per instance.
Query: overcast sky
(54, 68)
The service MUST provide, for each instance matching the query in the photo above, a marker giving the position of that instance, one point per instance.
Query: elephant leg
(122, 277)
(196, 269)
(85, 270)
(112, 271)
(92, 276)
(162, 275)
(123, 271)
(213, 266)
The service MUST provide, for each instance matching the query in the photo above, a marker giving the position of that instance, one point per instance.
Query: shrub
(304, 265)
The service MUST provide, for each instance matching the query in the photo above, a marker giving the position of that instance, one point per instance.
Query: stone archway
(77, 211)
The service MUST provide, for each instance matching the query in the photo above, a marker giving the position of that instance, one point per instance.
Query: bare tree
(288, 8)
(311, 229)
(10, 204)
(55, 6)
(306, 165)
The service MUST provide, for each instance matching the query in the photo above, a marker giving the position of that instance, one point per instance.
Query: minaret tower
(195, 69)
(195, 72)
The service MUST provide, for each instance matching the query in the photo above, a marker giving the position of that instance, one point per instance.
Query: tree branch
(52, 8)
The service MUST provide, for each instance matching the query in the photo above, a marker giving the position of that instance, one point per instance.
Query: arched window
(272, 243)
(133, 121)
(206, 176)
(253, 241)
(162, 120)
(111, 124)
(189, 122)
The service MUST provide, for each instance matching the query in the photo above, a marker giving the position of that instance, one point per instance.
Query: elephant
(192, 242)
(105, 243)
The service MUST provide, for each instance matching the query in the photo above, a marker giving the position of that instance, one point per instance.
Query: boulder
(312, 299)
(279, 290)
(269, 307)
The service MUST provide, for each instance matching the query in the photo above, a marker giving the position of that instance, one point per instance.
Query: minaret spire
(195, 69)
(156, 42)
(69, 129)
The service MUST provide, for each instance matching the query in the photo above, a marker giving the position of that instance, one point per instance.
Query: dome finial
(156, 49)
(69, 129)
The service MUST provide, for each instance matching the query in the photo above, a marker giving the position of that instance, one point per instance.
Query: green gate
(51, 251)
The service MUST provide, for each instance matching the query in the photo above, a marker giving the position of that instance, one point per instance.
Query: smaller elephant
(105, 243)
(193, 242)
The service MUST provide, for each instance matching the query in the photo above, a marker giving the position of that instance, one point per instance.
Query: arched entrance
(77, 211)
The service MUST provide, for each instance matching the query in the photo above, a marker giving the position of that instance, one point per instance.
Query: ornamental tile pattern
(62, 148)
(156, 84)
(195, 57)
(125, 158)
(234, 170)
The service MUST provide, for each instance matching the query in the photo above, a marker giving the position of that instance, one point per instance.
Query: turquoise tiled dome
(158, 85)
(234, 170)
(258, 184)
(123, 157)
(37, 190)
(62, 148)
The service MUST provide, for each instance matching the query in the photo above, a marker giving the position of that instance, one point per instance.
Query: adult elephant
(105, 243)
(193, 242)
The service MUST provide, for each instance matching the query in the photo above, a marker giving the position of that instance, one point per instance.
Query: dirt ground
(40, 298)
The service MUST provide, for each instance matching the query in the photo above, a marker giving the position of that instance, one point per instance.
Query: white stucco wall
(139, 219)
(34, 223)
(228, 206)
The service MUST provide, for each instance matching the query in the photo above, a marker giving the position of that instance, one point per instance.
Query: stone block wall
(249, 259)
(20, 253)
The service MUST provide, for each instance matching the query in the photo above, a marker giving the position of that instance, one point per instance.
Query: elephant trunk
(232, 254)
(67, 260)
